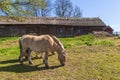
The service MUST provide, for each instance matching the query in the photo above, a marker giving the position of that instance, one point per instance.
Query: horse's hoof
(63, 64)
(31, 63)
(21, 63)
(43, 61)
(46, 66)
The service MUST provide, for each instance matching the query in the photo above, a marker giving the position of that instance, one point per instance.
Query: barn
(61, 27)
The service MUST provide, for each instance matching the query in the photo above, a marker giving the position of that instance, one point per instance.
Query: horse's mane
(57, 41)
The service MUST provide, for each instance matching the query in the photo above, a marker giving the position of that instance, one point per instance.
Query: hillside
(88, 58)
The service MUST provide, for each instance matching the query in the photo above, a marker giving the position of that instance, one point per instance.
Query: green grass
(88, 58)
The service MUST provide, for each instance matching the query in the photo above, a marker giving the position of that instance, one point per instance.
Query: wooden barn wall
(86, 29)
(4, 31)
(18, 30)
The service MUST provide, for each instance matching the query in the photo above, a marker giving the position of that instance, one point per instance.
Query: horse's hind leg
(21, 57)
(45, 61)
(29, 56)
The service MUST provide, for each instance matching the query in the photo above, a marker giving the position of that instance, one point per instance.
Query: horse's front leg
(45, 60)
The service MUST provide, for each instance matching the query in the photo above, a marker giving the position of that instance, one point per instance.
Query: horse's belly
(37, 49)
(41, 46)
(41, 49)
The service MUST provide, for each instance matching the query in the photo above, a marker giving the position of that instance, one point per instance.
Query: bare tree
(77, 12)
(64, 8)
(46, 10)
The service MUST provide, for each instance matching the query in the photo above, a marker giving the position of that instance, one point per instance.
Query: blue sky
(107, 10)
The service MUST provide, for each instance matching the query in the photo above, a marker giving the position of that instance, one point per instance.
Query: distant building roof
(54, 21)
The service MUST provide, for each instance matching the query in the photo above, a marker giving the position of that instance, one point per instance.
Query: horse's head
(62, 57)
(60, 50)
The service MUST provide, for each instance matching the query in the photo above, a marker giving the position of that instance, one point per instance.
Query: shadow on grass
(17, 60)
(9, 61)
(18, 68)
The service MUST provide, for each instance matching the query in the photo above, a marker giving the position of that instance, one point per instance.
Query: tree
(20, 7)
(5, 6)
(44, 10)
(76, 12)
(64, 8)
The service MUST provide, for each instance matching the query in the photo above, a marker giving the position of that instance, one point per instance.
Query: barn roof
(52, 21)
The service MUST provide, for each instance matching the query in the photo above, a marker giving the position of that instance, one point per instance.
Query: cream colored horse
(40, 44)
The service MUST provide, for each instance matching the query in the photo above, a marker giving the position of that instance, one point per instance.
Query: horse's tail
(20, 45)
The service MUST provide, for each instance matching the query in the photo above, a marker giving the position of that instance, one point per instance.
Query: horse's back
(42, 41)
(37, 43)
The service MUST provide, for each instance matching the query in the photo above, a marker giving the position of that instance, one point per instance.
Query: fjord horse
(40, 44)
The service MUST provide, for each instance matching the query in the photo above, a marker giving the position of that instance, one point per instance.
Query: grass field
(88, 58)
